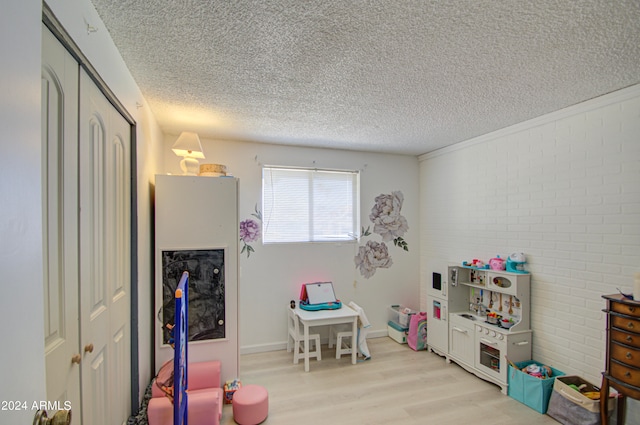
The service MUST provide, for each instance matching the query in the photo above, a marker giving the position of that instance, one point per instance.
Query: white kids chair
(338, 334)
(298, 339)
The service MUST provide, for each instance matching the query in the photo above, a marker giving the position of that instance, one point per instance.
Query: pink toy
(205, 397)
(497, 263)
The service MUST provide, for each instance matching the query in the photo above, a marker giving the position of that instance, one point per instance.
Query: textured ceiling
(386, 76)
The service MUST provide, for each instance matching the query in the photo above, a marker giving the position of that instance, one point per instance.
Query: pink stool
(250, 405)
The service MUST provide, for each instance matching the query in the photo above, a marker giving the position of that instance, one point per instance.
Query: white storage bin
(396, 335)
(401, 315)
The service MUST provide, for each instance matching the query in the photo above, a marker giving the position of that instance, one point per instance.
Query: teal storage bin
(529, 390)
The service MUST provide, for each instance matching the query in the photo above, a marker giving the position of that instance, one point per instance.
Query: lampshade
(188, 145)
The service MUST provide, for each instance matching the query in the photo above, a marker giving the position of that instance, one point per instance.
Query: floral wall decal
(372, 256)
(387, 220)
(390, 224)
(250, 232)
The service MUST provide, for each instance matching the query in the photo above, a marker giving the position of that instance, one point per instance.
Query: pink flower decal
(249, 230)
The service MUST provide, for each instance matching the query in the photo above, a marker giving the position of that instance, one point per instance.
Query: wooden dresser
(623, 353)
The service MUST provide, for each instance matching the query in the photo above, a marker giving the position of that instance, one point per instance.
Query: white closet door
(105, 232)
(60, 222)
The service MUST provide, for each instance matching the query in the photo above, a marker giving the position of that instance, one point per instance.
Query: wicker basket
(213, 170)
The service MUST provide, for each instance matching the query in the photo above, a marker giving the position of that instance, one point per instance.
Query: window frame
(348, 237)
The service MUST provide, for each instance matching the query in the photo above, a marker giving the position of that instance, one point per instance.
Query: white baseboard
(377, 333)
(282, 345)
(263, 348)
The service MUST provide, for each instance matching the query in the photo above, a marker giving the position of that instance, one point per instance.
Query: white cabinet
(461, 340)
(437, 325)
(443, 295)
(196, 228)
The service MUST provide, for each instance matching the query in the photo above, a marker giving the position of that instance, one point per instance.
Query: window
(309, 205)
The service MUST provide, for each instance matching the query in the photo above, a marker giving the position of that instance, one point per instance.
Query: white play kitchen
(479, 317)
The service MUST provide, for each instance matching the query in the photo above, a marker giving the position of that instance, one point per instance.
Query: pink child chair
(205, 397)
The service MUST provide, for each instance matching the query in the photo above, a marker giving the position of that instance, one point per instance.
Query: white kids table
(328, 317)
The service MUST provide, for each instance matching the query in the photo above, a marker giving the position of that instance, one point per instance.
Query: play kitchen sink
(495, 320)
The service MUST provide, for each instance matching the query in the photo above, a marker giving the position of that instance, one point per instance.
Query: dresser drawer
(625, 374)
(625, 324)
(625, 354)
(629, 310)
(627, 338)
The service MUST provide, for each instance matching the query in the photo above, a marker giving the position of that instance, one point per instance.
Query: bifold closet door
(60, 221)
(105, 235)
(87, 232)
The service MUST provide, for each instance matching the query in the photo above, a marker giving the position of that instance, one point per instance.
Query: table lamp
(188, 146)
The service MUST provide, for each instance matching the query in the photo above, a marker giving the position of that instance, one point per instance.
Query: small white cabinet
(461, 340)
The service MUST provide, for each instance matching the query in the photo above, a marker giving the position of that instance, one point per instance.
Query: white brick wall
(565, 190)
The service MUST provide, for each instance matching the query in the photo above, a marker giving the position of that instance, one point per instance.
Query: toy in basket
(230, 387)
(319, 296)
(575, 401)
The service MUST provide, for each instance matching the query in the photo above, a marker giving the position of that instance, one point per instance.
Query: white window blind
(309, 205)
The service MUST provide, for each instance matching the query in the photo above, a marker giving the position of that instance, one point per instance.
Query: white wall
(22, 354)
(272, 275)
(565, 190)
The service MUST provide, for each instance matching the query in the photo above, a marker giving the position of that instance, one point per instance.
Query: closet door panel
(105, 234)
(60, 220)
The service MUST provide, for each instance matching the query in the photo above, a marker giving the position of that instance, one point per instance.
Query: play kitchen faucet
(477, 303)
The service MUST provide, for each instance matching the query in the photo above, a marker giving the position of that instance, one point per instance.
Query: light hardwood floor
(397, 385)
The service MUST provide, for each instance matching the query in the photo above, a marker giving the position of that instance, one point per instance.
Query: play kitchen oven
(493, 326)
(494, 346)
(483, 348)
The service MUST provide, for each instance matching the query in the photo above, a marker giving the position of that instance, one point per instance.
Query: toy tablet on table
(318, 296)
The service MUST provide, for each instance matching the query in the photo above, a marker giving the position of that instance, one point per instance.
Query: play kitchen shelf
(493, 291)
(494, 323)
